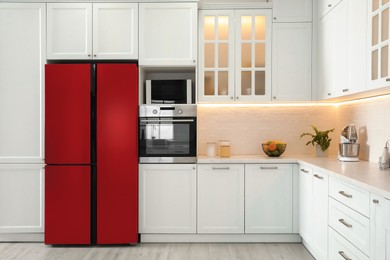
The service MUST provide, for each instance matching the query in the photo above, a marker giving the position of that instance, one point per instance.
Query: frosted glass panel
(260, 83)
(209, 27)
(209, 83)
(384, 61)
(223, 55)
(246, 55)
(375, 30)
(209, 55)
(246, 27)
(245, 81)
(375, 4)
(260, 27)
(223, 83)
(374, 65)
(260, 55)
(385, 25)
(223, 28)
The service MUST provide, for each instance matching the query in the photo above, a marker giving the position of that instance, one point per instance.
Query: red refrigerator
(91, 153)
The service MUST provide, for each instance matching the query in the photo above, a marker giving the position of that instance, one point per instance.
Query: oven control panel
(182, 110)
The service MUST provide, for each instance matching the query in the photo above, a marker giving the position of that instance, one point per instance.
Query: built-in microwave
(172, 91)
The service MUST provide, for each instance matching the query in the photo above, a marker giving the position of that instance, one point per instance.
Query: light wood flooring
(150, 251)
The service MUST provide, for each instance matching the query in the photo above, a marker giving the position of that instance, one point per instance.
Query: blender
(348, 148)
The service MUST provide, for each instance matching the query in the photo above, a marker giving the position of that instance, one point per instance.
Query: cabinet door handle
(318, 176)
(345, 223)
(375, 201)
(305, 171)
(345, 194)
(345, 90)
(344, 255)
(269, 168)
(220, 168)
(89, 55)
(329, 5)
(387, 79)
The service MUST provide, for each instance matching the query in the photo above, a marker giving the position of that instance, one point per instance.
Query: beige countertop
(363, 174)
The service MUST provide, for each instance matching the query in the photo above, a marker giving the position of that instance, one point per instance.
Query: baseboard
(220, 238)
(22, 237)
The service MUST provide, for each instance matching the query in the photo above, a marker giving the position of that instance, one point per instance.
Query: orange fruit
(272, 147)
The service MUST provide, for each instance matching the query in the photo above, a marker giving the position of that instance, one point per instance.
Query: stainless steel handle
(318, 176)
(274, 18)
(220, 168)
(305, 171)
(274, 97)
(375, 201)
(269, 168)
(344, 255)
(166, 120)
(237, 97)
(231, 97)
(342, 221)
(89, 55)
(345, 90)
(329, 5)
(387, 79)
(329, 94)
(345, 194)
(94, 55)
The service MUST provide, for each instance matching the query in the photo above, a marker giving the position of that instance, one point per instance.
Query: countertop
(366, 175)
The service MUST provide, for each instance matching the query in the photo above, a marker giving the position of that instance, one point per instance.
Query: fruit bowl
(274, 148)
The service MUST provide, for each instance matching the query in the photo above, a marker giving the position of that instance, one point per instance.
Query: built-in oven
(167, 134)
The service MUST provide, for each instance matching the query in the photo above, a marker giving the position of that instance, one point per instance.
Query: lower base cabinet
(379, 227)
(21, 199)
(341, 249)
(167, 198)
(268, 198)
(221, 198)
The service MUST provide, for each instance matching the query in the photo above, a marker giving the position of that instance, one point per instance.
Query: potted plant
(320, 139)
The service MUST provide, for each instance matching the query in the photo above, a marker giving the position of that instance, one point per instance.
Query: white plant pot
(321, 153)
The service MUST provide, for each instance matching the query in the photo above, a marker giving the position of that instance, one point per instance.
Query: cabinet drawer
(350, 224)
(355, 198)
(341, 249)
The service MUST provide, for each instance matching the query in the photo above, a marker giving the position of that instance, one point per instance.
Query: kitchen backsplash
(247, 127)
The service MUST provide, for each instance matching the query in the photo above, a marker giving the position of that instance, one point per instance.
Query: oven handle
(166, 120)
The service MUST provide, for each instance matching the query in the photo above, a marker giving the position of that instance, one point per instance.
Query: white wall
(248, 127)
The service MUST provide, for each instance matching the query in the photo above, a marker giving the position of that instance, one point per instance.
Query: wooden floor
(39, 251)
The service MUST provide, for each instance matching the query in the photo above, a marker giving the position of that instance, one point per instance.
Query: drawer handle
(344, 255)
(345, 194)
(220, 168)
(318, 176)
(305, 171)
(345, 223)
(268, 168)
(375, 201)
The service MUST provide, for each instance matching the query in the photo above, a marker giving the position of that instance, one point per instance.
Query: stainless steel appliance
(348, 148)
(167, 134)
(174, 91)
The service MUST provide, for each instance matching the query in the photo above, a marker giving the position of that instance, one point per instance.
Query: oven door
(167, 140)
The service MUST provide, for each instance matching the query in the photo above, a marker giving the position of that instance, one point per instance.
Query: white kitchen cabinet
(167, 198)
(342, 41)
(168, 34)
(21, 198)
(235, 55)
(378, 44)
(92, 31)
(268, 198)
(379, 227)
(320, 183)
(22, 58)
(115, 31)
(291, 70)
(305, 204)
(221, 198)
(342, 249)
(292, 11)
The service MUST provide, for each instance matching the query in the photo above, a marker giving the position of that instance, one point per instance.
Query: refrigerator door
(67, 205)
(117, 153)
(67, 114)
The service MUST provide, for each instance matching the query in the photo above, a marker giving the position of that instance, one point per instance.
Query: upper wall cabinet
(235, 55)
(92, 31)
(168, 34)
(342, 50)
(22, 58)
(378, 42)
(292, 11)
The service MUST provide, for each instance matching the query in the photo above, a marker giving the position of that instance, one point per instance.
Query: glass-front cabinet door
(379, 43)
(253, 55)
(234, 55)
(216, 56)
